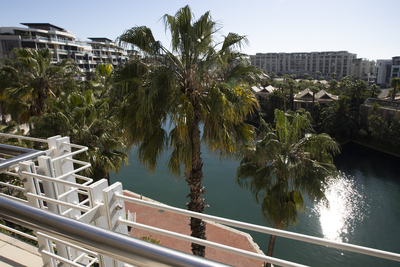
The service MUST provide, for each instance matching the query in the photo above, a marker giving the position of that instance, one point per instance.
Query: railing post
(45, 244)
(31, 186)
(97, 216)
(64, 166)
(115, 209)
(29, 183)
(50, 191)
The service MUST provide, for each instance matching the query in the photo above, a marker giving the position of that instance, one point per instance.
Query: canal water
(364, 205)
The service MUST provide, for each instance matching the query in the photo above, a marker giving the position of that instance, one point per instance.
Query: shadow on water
(364, 205)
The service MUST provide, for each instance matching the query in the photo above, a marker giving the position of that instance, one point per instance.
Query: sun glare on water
(345, 207)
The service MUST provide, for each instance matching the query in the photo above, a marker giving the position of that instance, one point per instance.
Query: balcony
(79, 222)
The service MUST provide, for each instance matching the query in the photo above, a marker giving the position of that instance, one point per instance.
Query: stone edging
(248, 236)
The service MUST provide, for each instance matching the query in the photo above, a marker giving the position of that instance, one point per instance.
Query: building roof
(306, 93)
(43, 26)
(322, 95)
(325, 95)
(260, 89)
(101, 39)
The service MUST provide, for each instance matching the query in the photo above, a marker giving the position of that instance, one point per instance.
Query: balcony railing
(86, 221)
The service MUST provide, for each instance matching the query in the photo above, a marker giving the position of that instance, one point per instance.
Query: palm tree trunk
(194, 179)
(313, 104)
(3, 115)
(271, 245)
(291, 98)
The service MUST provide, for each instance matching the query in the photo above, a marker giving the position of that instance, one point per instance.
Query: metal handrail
(114, 245)
(267, 230)
(19, 154)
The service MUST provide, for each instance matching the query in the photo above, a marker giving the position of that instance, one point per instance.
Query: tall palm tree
(37, 78)
(192, 85)
(288, 161)
(374, 90)
(88, 121)
(314, 90)
(291, 84)
(318, 73)
(359, 89)
(339, 119)
(395, 83)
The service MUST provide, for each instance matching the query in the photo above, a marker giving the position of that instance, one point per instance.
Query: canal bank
(370, 187)
(177, 223)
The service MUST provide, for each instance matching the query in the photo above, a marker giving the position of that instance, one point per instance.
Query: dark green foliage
(288, 161)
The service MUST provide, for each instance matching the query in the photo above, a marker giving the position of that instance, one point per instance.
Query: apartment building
(305, 62)
(363, 69)
(395, 68)
(383, 71)
(63, 44)
(105, 51)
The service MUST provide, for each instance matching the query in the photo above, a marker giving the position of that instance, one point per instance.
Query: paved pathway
(16, 253)
(180, 224)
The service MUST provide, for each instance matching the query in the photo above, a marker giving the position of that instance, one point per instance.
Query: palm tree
(88, 121)
(333, 83)
(291, 84)
(193, 84)
(288, 161)
(37, 78)
(339, 118)
(359, 89)
(395, 83)
(374, 90)
(102, 81)
(318, 73)
(274, 100)
(314, 90)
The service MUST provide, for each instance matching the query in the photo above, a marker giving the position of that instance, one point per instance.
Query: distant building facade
(387, 69)
(309, 62)
(389, 109)
(395, 68)
(383, 70)
(363, 69)
(63, 44)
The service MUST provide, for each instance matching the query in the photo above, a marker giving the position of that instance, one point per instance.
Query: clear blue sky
(369, 28)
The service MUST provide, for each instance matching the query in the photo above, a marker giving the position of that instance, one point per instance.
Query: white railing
(53, 184)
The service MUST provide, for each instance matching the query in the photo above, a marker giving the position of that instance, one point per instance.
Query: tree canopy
(201, 84)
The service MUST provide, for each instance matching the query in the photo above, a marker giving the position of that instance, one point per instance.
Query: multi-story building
(310, 62)
(63, 44)
(105, 50)
(395, 68)
(383, 70)
(363, 69)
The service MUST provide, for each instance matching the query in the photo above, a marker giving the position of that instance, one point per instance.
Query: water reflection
(346, 207)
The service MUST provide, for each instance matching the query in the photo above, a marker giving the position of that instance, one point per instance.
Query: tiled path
(180, 223)
(19, 254)
(16, 253)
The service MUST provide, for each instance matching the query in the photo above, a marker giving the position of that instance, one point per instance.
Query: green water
(364, 205)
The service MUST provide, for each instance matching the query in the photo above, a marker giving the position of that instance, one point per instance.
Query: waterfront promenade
(180, 224)
(14, 252)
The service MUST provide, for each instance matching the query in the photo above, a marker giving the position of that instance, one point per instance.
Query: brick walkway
(180, 224)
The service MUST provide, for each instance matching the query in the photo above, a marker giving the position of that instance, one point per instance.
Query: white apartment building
(63, 44)
(383, 70)
(305, 62)
(363, 69)
(395, 69)
(105, 50)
